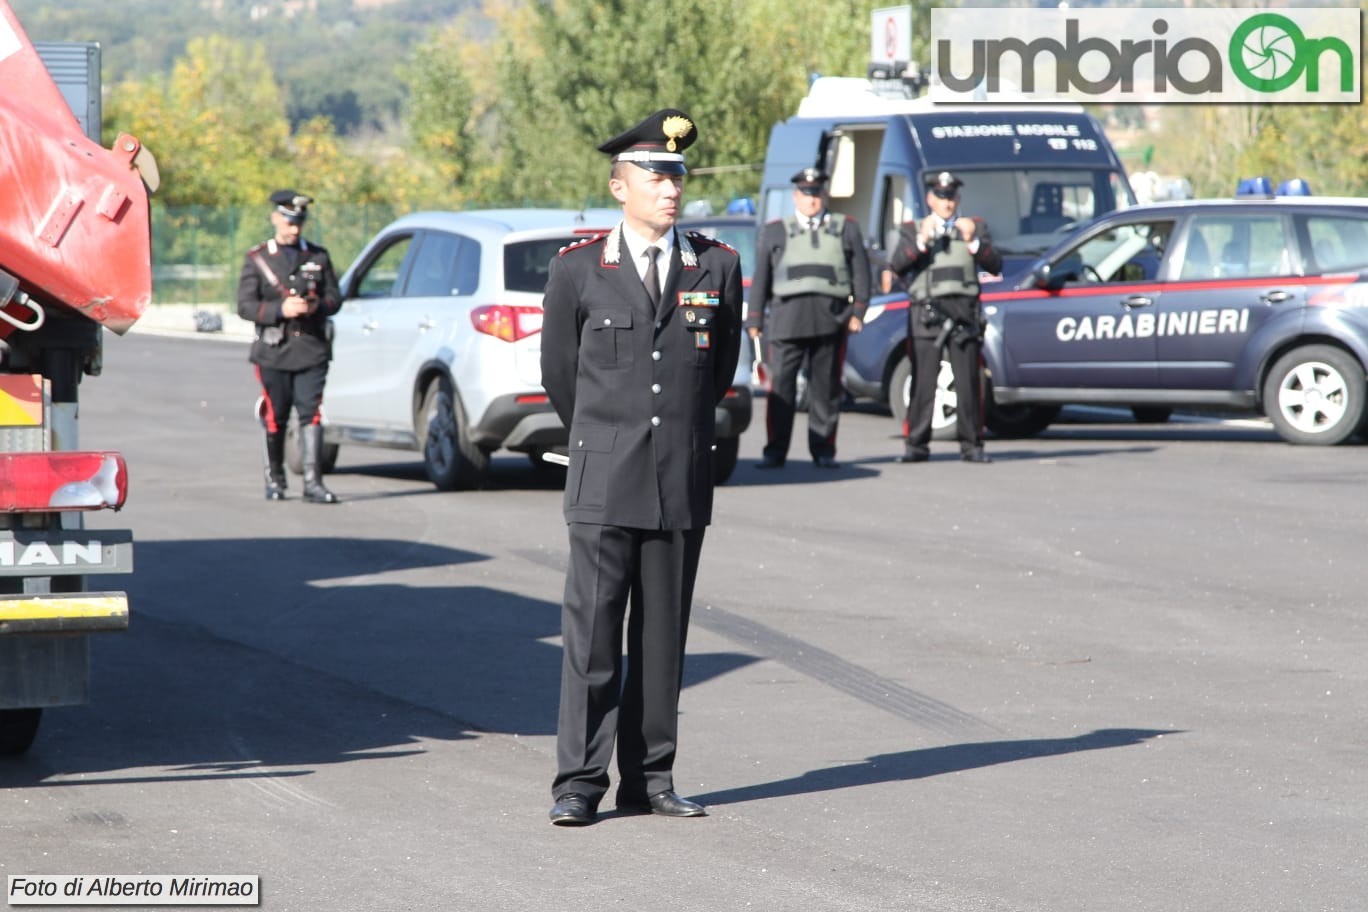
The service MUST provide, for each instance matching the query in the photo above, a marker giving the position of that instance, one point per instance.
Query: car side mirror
(1043, 276)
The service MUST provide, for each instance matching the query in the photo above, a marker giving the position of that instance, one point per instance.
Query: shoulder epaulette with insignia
(710, 241)
(582, 243)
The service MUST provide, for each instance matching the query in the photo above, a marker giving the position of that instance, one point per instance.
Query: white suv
(437, 347)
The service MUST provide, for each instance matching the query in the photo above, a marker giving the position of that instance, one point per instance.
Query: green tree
(216, 124)
(440, 113)
(574, 72)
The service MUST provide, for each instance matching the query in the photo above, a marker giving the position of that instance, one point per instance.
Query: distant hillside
(332, 57)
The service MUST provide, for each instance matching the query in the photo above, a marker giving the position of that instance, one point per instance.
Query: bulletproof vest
(808, 268)
(952, 271)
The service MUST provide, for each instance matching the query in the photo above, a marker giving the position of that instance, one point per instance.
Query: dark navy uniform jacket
(304, 269)
(638, 386)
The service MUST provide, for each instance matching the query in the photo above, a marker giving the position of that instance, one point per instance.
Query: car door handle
(1276, 297)
(1137, 301)
(370, 326)
(426, 323)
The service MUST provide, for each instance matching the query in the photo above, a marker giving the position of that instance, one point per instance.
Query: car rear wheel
(1151, 414)
(452, 460)
(1315, 395)
(944, 409)
(724, 458)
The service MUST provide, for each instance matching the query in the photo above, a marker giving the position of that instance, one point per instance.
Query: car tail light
(506, 321)
(533, 399)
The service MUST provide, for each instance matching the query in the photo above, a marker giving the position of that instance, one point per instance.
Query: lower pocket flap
(593, 438)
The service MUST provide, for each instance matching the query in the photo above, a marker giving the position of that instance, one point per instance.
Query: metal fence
(197, 251)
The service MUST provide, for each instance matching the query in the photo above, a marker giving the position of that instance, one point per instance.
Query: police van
(1030, 171)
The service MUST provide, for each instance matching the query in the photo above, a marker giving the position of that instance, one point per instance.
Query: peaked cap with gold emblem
(656, 144)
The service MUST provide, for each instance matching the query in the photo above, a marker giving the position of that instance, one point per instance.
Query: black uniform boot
(310, 451)
(275, 465)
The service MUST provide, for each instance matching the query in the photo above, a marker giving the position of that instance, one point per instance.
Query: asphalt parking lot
(1121, 667)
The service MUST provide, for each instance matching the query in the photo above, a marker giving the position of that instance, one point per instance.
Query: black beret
(656, 144)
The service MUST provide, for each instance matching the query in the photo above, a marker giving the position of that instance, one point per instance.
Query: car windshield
(1027, 210)
(527, 262)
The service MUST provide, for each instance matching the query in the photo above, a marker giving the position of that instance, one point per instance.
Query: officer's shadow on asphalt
(507, 472)
(1006, 455)
(795, 472)
(932, 761)
(305, 652)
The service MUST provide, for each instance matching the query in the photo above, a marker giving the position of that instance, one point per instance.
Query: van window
(1027, 210)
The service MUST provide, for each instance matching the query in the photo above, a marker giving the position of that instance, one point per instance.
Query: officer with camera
(288, 288)
(940, 258)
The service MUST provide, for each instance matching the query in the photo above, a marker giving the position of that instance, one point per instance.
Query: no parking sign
(890, 34)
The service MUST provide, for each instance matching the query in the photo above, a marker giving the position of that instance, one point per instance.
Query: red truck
(75, 261)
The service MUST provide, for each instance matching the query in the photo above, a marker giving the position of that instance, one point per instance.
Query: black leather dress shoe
(666, 804)
(825, 462)
(976, 456)
(769, 462)
(914, 457)
(572, 809)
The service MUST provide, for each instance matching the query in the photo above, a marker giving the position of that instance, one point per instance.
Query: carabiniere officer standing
(942, 255)
(288, 288)
(639, 343)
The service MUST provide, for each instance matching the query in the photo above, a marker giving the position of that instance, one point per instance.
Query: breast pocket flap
(611, 319)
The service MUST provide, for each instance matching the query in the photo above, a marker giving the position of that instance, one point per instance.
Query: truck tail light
(507, 321)
(51, 481)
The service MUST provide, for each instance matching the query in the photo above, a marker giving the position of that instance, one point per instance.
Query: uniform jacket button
(655, 356)
(655, 421)
(655, 388)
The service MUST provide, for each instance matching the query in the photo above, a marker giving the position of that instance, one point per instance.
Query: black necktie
(652, 280)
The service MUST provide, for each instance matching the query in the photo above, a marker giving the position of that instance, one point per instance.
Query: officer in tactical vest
(288, 288)
(940, 257)
(811, 287)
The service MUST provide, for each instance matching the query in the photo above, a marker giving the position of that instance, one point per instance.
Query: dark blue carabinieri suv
(1247, 303)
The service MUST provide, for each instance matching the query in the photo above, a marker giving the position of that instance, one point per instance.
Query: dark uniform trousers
(612, 568)
(826, 358)
(963, 350)
(637, 383)
(284, 389)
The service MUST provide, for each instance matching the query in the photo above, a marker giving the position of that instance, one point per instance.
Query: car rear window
(526, 262)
